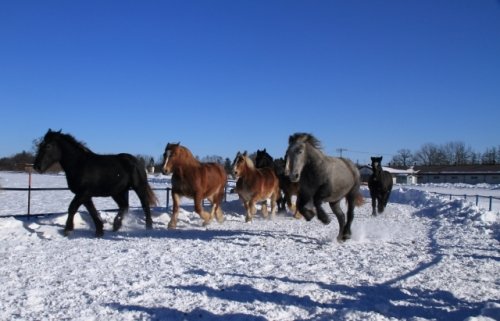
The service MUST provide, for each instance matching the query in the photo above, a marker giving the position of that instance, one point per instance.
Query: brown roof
(458, 169)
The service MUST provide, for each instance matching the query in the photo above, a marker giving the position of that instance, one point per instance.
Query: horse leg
(386, 198)
(198, 208)
(350, 216)
(280, 202)
(251, 210)
(73, 207)
(99, 232)
(293, 208)
(122, 200)
(335, 206)
(175, 211)
(374, 203)
(380, 205)
(302, 201)
(274, 204)
(265, 213)
(218, 211)
(322, 215)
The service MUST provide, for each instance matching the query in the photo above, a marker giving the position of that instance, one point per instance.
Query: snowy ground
(425, 258)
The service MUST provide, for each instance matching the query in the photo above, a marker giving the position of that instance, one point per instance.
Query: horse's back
(338, 178)
(214, 174)
(106, 175)
(268, 177)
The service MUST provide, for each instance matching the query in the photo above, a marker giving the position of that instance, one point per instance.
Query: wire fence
(475, 199)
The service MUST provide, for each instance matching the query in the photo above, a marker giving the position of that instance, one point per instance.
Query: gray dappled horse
(323, 179)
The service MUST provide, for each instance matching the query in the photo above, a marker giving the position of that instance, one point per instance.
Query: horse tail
(359, 200)
(143, 181)
(152, 199)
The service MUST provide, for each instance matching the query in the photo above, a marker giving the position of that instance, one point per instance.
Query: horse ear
(245, 153)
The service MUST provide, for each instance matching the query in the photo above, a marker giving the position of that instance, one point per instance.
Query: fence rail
(29, 189)
(468, 197)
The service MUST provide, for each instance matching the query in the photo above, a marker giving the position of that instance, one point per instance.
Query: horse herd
(306, 172)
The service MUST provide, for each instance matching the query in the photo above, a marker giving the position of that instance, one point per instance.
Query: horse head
(377, 165)
(296, 154)
(49, 151)
(263, 159)
(239, 163)
(169, 156)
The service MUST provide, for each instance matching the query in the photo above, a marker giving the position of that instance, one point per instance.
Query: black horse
(263, 159)
(380, 185)
(89, 174)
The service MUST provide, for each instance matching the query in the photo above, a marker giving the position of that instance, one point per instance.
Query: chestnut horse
(289, 188)
(254, 185)
(195, 180)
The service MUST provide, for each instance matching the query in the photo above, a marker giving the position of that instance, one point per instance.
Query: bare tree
(489, 156)
(456, 153)
(403, 158)
(430, 154)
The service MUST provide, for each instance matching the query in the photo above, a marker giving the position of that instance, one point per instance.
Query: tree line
(452, 153)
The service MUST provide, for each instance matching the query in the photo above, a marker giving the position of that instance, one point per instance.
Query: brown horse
(289, 188)
(195, 180)
(254, 185)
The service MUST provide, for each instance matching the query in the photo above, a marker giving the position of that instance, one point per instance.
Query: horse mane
(304, 138)
(187, 155)
(248, 161)
(70, 139)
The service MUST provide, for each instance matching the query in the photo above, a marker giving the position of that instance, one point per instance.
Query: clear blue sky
(221, 76)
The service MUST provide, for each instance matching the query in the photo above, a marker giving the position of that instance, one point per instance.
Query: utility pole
(340, 150)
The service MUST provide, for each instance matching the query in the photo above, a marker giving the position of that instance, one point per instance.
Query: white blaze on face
(167, 157)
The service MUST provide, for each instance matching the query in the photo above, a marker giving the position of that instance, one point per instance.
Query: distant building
(468, 174)
(399, 176)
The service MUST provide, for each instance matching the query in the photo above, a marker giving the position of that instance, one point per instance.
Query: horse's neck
(189, 165)
(71, 155)
(316, 159)
(248, 171)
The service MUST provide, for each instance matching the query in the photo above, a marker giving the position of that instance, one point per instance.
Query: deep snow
(425, 258)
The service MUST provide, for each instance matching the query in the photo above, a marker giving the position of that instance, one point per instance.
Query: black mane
(68, 138)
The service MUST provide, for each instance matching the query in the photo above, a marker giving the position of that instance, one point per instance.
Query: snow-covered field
(425, 258)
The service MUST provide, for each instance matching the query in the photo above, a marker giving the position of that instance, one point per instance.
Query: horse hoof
(66, 232)
(325, 220)
(149, 226)
(99, 233)
(116, 225)
(205, 223)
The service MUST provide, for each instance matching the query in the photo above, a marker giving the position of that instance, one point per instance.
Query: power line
(340, 150)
